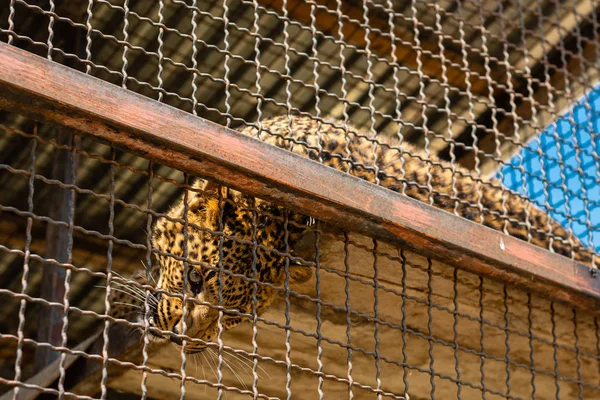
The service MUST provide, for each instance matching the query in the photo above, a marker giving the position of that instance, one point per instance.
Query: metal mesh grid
(473, 83)
(385, 313)
(381, 313)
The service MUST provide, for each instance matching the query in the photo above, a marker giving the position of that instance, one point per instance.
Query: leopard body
(240, 246)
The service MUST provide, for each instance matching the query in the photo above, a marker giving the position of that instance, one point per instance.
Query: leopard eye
(195, 280)
(194, 276)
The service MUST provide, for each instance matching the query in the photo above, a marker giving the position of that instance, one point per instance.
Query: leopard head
(221, 250)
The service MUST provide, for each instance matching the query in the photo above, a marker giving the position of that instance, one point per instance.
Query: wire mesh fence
(470, 106)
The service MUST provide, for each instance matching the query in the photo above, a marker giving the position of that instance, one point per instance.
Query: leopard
(223, 256)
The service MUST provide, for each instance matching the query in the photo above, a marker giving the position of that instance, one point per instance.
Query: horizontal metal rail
(51, 92)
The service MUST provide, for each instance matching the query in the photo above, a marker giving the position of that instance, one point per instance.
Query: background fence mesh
(485, 88)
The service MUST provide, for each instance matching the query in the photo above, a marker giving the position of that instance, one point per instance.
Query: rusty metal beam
(54, 93)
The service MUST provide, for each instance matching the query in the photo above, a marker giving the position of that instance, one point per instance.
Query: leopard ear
(299, 273)
(215, 197)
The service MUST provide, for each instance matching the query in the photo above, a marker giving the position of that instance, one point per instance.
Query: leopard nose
(151, 315)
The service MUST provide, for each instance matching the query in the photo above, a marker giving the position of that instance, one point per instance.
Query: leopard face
(230, 241)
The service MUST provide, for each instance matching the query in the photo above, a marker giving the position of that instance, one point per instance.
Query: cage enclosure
(307, 199)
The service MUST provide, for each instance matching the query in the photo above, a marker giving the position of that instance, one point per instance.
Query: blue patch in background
(567, 156)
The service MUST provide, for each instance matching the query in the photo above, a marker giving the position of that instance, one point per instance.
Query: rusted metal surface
(57, 94)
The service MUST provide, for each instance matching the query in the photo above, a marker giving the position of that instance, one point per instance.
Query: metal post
(59, 245)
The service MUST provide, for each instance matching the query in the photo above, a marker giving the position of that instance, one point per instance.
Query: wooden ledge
(51, 92)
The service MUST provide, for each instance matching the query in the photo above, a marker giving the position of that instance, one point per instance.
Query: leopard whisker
(203, 372)
(133, 288)
(237, 376)
(149, 273)
(248, 363)
(134, 296)
(248, 360)
(127, 282)
(209, 361)
(116, 287)
(202, 367)
(128, 304)
(129, 293)
(195, 361)
(142, 295)
(233, 360)
(243, 368)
